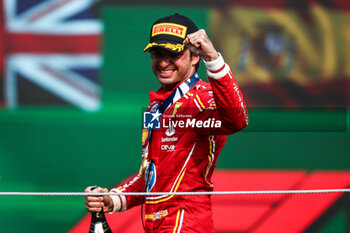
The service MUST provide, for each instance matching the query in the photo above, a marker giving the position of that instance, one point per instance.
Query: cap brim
(174, 48)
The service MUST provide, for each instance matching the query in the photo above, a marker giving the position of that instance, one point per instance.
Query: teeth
(166, 71)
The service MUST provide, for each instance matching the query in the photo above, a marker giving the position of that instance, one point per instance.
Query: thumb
(186, 41)
(99, 190)
(104, 190)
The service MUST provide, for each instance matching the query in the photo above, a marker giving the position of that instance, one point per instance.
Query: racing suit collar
(161, 94)
(173, 95)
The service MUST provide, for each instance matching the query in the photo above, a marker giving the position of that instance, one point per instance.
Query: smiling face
(172, 68)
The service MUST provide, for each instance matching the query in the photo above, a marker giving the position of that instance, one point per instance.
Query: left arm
(229, 102)
(229, 105)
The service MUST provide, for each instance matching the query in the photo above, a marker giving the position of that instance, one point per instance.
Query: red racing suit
(184, 157)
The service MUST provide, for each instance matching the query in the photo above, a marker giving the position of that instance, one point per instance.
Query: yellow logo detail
(177, 106)
(144, 135)
(174, 47)
(169, 29)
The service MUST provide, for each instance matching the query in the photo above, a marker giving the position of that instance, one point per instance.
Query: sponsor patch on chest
(170, 139)
(167, 147)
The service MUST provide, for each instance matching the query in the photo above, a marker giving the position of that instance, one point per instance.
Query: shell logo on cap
(169, 29)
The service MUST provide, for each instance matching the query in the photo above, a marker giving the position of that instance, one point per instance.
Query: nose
(164, 61)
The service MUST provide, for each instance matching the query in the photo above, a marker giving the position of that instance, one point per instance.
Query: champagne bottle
(99, 223)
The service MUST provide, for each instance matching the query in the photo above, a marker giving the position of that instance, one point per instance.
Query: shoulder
(202, 87)
(203, 94)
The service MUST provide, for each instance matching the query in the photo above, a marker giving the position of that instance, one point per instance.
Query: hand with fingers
(200, 44)
(96, 203)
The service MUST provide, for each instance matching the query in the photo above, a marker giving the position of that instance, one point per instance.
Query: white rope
(318, 191)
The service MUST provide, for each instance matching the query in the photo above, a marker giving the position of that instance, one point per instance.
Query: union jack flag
(50, 53)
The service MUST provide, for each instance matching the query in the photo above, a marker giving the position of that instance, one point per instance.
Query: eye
(175, 55)
(156, 54)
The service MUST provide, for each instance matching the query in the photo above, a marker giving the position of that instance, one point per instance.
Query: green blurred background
(64, 149)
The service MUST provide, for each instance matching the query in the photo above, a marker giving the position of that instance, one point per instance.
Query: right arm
(115, 203)
(121, 202)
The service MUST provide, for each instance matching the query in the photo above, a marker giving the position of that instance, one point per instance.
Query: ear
(195, 59)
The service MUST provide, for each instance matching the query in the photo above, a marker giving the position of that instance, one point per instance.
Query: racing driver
(187, 123)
